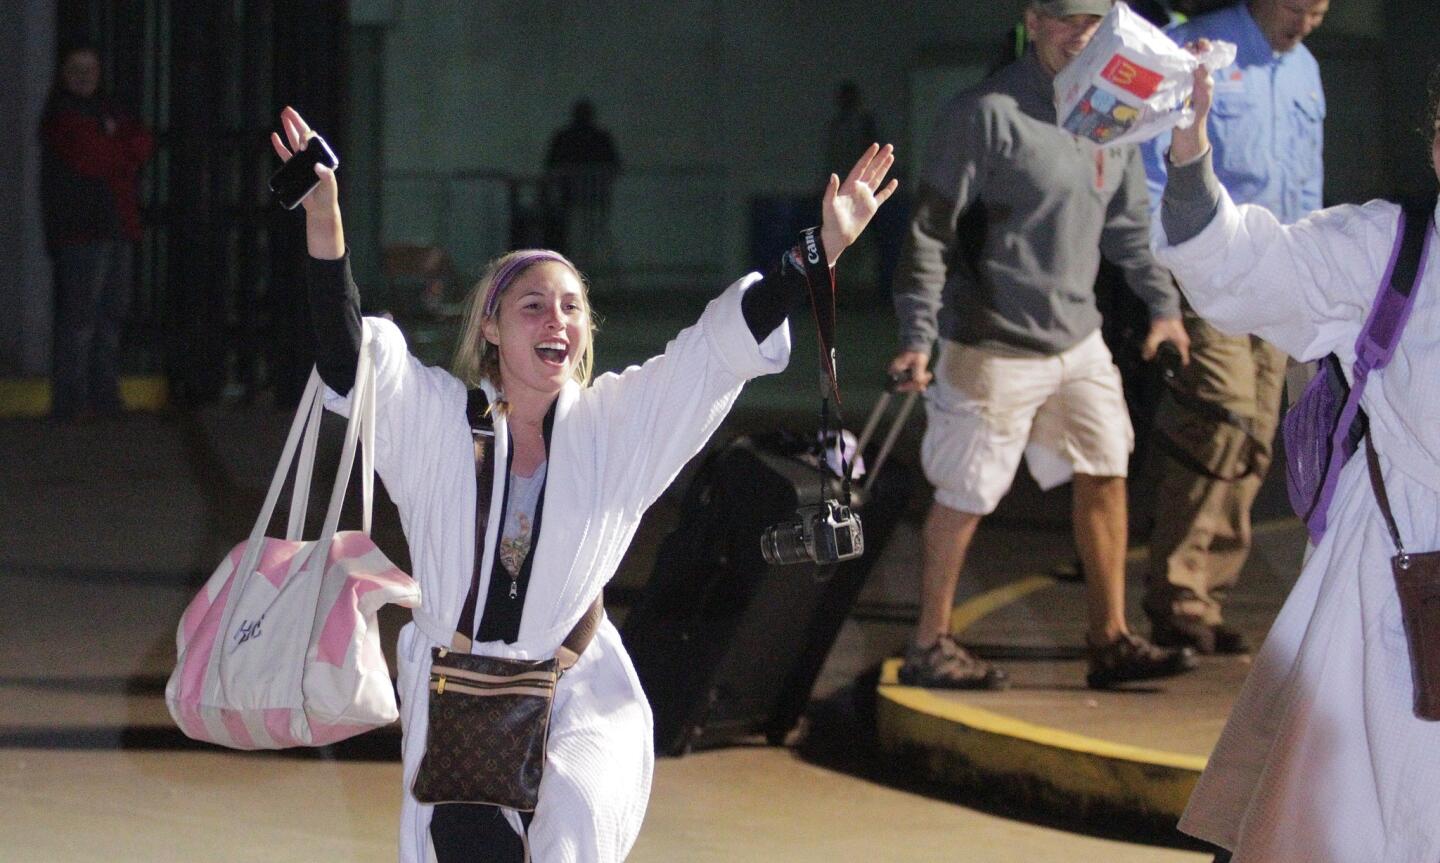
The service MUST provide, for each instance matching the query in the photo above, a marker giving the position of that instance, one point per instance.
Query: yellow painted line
(990, 722)
(974, 609)
(30, 397)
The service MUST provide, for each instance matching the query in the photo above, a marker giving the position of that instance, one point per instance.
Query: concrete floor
(76, 806)
(105, 531)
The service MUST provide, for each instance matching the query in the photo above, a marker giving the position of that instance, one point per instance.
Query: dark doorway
(219, 303)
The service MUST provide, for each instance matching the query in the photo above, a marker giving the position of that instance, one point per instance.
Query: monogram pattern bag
(489, 717)
(489, 720)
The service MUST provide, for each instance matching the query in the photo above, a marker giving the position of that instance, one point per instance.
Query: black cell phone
(296, 178)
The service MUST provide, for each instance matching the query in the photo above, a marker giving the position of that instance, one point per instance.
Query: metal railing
(642, 228)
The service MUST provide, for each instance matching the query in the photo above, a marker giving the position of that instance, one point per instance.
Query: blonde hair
(476, 358)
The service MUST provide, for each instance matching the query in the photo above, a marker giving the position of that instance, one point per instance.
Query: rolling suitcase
(726, 645)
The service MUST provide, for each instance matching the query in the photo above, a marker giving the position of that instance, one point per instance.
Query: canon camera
(820, 533)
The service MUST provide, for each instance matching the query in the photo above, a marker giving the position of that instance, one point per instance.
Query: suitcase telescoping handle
(873, 422)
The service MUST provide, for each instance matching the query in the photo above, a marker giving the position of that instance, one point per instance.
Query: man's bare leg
(1101, 535)
(947, 535)
(934, 659)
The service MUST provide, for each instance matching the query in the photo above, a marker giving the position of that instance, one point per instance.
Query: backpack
(1325, 425)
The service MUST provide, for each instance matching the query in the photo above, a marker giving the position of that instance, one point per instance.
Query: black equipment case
(726, 645)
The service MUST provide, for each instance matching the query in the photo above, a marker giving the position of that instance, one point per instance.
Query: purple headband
(514, 267)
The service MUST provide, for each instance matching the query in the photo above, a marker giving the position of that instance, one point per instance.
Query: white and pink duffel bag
(282, 647)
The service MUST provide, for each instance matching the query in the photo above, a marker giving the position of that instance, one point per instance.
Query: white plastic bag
(1131, 82)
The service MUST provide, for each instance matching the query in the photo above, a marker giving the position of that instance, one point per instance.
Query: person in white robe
(1322, 759)
(607, 450)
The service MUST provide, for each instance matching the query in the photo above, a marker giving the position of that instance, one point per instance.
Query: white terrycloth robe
(614, 448)
(1322, 759)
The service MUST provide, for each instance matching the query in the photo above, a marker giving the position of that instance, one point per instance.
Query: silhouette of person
(580, 168)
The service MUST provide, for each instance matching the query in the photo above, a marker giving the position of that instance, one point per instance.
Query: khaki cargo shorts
(1066, 414)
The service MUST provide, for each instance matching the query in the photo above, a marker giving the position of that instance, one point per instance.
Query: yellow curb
(30, 397)
(958, 743)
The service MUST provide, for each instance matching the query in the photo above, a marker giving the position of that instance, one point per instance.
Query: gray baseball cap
(1061, 8)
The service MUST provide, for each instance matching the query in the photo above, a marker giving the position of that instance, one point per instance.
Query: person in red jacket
(92, 154)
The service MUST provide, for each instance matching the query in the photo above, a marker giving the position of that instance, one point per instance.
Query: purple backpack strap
(1378, 339)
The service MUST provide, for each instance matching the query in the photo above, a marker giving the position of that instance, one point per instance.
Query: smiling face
(542, 330)
(1059, 39)
(1286, 23)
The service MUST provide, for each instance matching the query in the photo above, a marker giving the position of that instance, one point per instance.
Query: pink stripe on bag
(350, 544)
(342, 621)
(198, 650)
(275, 559)
(187, 716)
(194, 613)
(277, 724)
(201, 604)
(235, 724)
(325, 733)
(344, 617)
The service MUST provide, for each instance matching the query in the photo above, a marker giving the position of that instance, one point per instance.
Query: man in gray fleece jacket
(1022, 369)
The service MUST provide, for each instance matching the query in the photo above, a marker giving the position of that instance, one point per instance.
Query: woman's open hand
(326, 196)
(849, 206)
(324, 234)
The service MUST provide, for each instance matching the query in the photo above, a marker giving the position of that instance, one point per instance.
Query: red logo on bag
(1126, 75)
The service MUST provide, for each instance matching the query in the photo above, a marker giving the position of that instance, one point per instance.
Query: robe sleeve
(412, 401)
(651, 419)
(1306, 287)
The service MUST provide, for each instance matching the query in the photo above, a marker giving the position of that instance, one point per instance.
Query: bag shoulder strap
(581, 634)
(1377, 483)
(1387, 319)
(1391, 309)
(482, 428)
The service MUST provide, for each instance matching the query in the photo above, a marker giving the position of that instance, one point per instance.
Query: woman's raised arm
(324, 234)
(334, 299)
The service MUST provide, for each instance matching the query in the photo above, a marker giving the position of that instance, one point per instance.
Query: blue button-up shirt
(1266, 124)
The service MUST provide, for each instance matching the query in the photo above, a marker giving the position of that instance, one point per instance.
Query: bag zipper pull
(514, 588)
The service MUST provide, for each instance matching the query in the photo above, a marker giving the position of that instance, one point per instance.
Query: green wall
(712, 102)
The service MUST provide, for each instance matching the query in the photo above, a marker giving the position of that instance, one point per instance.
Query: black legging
(469, 832)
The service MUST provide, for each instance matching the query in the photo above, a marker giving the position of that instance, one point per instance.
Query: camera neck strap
(810, 259)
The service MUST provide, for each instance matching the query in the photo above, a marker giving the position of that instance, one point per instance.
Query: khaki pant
(1202, 524)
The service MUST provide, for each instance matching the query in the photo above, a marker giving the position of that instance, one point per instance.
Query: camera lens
(784, 544)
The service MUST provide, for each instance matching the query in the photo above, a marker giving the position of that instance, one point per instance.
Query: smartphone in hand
(296, 178)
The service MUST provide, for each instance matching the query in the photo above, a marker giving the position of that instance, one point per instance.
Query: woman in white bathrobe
(592, 458)
(1322, 759)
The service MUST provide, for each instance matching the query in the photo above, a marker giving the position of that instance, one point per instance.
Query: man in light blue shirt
(1266, 128)
(1266, 125)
